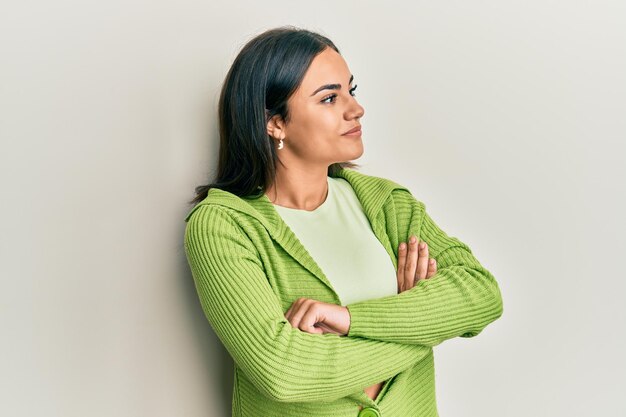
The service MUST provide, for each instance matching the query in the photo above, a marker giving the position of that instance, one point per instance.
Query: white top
(340, 239)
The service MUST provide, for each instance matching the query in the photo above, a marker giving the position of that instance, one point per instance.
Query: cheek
(317, 123)
(328, 125)
(316, 127)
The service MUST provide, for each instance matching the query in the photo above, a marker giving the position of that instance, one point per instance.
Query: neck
(301, 189)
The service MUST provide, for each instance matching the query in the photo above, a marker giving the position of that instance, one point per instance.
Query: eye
(333, 96)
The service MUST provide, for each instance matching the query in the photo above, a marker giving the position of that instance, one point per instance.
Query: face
(320, 114)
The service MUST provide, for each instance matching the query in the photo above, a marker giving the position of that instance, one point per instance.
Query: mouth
(353, 132)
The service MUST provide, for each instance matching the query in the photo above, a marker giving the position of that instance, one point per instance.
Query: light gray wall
(505, 118)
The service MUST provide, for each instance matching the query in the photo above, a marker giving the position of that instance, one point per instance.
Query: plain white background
(506, 119)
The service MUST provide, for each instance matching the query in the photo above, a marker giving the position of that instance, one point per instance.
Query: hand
(413, 264)
(314, 316)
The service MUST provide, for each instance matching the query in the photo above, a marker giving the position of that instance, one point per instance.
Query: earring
(280, 144)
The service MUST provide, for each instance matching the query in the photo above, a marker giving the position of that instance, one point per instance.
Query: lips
(355, 129)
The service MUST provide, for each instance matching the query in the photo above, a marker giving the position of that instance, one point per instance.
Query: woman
(309, 271)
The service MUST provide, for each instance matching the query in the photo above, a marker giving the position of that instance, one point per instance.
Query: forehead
(328, 67)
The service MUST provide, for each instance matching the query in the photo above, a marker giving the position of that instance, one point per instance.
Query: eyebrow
(331, 86)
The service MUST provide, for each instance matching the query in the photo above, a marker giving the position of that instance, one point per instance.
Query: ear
(276, 127)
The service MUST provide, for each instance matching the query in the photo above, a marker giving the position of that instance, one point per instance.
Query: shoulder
(377, 187)
(217, 199)
(216, 226)
(362, 179)
(206, 218)
(401, 197)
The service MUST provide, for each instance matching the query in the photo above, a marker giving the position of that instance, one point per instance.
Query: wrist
(348, 320)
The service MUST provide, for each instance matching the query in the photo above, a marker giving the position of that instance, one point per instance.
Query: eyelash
(335, 95)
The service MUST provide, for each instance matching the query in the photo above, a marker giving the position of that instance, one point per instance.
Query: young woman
(328, 287)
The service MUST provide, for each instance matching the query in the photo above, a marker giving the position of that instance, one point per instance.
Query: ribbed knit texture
(249, 267)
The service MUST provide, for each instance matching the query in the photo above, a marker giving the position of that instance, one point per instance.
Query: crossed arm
(283, 362)
(461, 299)
(386, 336)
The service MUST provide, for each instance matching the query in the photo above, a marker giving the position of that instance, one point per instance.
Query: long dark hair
(265, 73)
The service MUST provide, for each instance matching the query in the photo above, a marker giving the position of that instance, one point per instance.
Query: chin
(355, 152)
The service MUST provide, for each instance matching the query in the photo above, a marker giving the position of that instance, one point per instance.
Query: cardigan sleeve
(461, 299)
(283, 362)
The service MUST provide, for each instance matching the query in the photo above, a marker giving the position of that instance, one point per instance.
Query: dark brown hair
(265, 73)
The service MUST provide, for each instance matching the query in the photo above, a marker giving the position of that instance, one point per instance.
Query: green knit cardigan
(249, 267)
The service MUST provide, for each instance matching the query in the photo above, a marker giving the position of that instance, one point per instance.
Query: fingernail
(432, 261)
(412, 239)
(422, 245)
(402, 246)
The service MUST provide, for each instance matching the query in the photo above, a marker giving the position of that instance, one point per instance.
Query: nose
(355, 111)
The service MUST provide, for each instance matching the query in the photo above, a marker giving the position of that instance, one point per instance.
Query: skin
(312, 140)
(314, 316)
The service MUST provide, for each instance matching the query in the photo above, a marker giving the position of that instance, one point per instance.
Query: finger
(300, 311)
(288, 313)
(294, 307)
(422, 262)
(432, 268)
(411, 264)
(324, 327)
(309, 319)
(401, 263)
